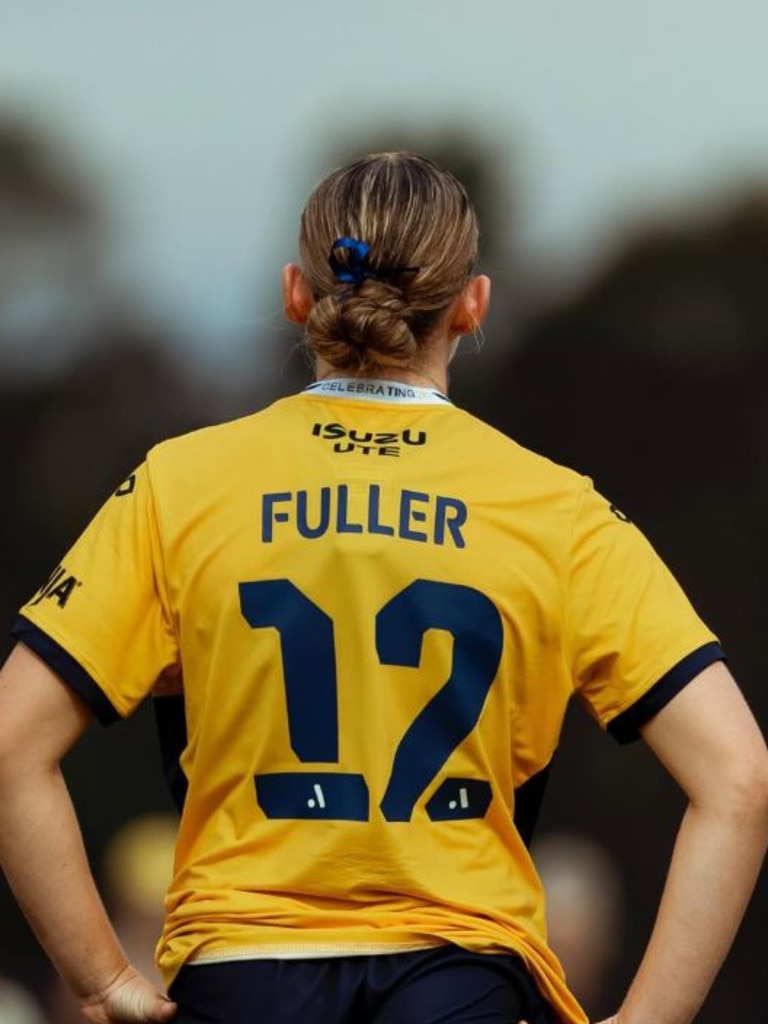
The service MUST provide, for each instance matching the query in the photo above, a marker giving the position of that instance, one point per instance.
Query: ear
(297, 295)
(470, 306)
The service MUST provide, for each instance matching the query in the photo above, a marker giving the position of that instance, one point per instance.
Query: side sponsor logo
(59, 587)
(126, 488)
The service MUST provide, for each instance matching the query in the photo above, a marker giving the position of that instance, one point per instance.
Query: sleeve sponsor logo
(59, 587)
(367, 442)
(126, 488)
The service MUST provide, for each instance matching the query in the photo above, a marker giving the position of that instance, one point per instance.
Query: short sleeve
(101, 621)
(633, 640)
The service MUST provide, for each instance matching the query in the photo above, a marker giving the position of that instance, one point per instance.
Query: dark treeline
(650, 380)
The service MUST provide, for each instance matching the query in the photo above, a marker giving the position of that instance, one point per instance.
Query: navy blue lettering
(420, 517)
(343, 524)
(302, 523)
(268, 514)
(407, 499)
(443, 517)
(374, 524)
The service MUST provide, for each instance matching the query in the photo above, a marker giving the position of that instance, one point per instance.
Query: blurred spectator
(585, 914)
(138, 865)
(17, 1006)
(136, 871)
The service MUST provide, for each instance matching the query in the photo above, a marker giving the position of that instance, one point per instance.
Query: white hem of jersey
(311, 952)
(369, 389)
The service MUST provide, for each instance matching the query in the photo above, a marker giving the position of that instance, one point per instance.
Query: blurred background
(154, 158)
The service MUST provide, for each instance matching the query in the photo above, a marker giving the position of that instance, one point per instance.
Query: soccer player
(362, 613)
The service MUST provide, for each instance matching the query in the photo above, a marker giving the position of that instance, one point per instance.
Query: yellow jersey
(362, 613)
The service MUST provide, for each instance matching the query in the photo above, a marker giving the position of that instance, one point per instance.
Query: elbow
(743, 789)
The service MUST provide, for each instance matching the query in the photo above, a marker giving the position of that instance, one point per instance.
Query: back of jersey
(366, 582)
(370, 610)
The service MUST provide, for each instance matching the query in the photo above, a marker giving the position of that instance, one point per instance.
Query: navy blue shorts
(444, 985)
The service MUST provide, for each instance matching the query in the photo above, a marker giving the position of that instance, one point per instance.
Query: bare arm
(711, 745)
(41, 848)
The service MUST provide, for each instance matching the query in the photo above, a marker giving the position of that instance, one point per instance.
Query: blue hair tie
(357, 268)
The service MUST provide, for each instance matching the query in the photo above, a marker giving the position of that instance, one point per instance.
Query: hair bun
(386, 244)
(355, 330)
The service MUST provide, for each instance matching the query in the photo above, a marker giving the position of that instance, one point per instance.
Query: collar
(370, 389)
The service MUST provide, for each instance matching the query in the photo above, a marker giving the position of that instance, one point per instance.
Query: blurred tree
(32, 186)
(52, 255)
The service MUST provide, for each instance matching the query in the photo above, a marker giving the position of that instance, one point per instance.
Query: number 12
(309, 669)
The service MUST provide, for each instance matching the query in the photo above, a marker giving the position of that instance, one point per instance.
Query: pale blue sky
(203, 121)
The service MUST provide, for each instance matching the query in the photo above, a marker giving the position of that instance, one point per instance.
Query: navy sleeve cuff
(67, 668)
(626, 727)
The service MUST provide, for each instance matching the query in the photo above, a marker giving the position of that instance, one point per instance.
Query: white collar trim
(369, 389)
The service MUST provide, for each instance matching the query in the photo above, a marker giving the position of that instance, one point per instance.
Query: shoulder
(217, 443)
(499, 455)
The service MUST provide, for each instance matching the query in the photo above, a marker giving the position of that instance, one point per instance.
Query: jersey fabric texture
(362, 613)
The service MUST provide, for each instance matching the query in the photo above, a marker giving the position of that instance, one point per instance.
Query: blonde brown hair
(422, 232)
